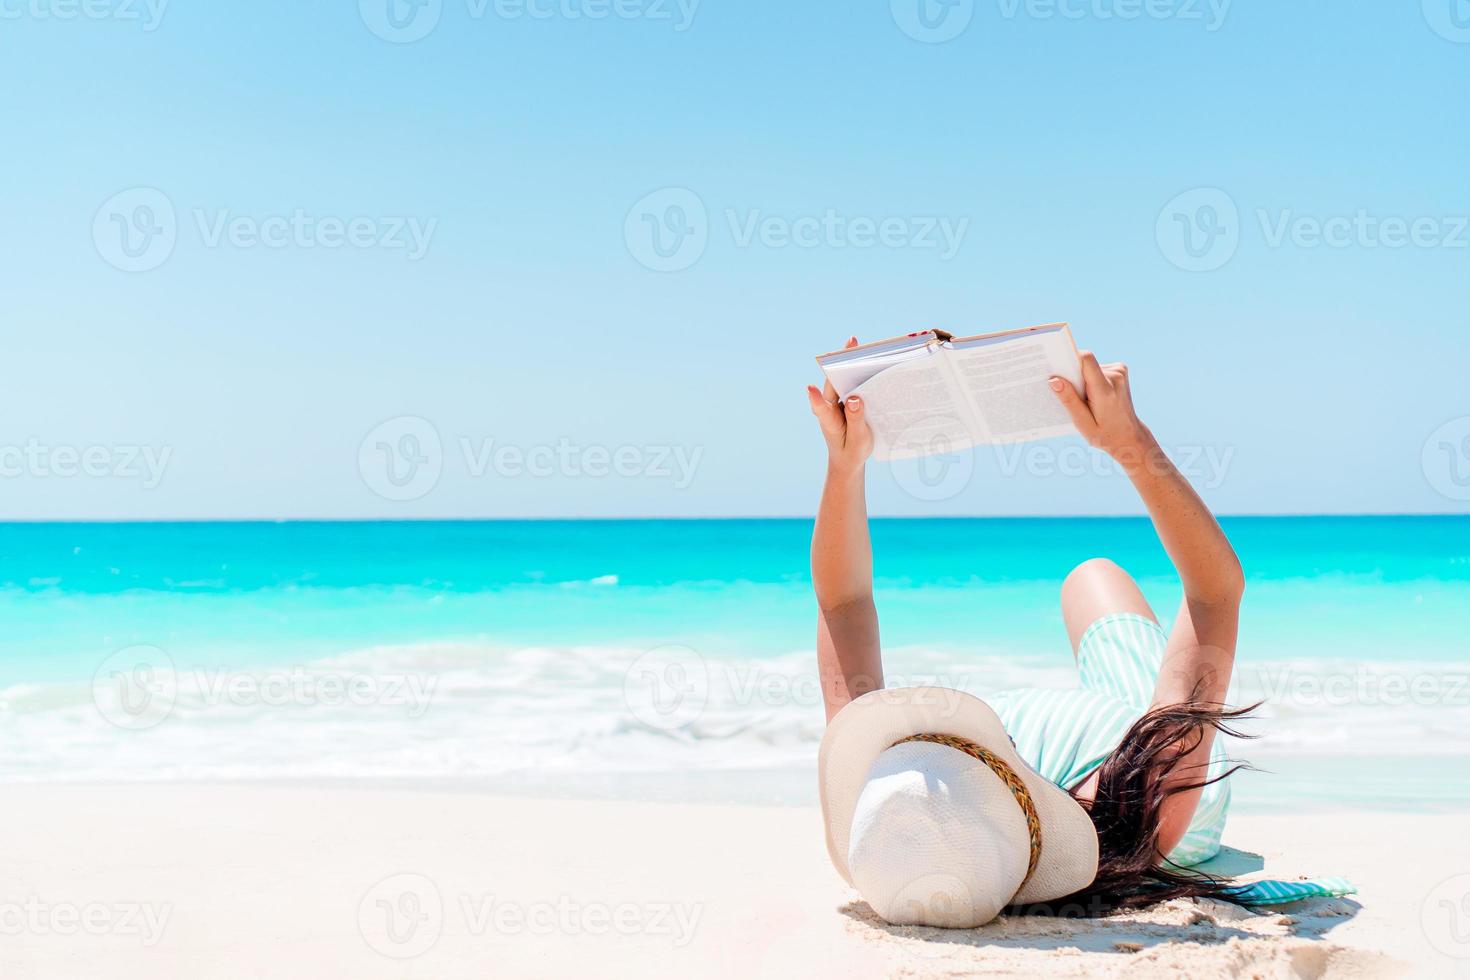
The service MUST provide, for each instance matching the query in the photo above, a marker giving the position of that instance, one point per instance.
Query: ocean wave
(475, 709)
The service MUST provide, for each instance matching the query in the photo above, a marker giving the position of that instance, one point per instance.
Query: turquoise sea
(673, 658)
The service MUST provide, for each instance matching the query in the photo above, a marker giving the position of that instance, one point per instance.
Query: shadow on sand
(1205, 922)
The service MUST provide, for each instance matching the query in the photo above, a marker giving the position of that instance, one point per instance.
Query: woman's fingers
(858, 433)
(1117, 374)
(854, 421)
(1092, 375)
(821, 405)
(828, 414)
(1071, 400)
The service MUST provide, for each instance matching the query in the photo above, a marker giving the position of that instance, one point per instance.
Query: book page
(915, 412)
(1007, 378)
(847, 370)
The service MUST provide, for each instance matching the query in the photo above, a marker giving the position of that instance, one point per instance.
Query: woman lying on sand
(943, 810)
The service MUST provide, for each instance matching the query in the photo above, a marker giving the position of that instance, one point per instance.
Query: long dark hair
(1130, 796)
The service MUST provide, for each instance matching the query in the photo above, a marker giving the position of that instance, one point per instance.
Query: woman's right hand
(849, 438)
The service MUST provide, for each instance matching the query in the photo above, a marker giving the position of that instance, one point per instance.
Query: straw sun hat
(935, 819)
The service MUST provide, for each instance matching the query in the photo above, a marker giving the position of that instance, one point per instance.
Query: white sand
(283, 882)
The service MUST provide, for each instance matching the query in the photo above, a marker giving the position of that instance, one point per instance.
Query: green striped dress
(1065, 735)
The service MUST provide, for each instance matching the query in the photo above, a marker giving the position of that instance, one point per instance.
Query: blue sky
(363, 246)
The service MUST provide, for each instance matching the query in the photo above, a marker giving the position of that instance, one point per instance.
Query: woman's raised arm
(848, 656)
(1200, 654)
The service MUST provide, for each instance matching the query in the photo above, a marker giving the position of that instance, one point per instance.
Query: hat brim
(869, 725)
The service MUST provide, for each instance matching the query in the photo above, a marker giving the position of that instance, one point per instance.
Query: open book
(930, 393)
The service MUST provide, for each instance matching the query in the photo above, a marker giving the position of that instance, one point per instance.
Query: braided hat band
(1006, 774)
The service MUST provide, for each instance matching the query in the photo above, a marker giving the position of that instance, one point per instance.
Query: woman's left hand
(1104, 415)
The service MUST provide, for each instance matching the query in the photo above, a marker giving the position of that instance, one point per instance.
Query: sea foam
(450, 711)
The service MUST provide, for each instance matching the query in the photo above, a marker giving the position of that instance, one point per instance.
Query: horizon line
(1262, 515)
